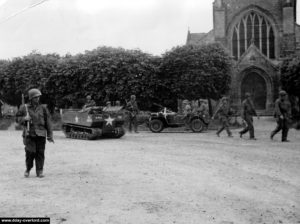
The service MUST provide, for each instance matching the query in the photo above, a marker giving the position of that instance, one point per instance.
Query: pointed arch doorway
(255, 84)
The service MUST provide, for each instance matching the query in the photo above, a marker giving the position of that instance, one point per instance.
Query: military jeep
(166, 118)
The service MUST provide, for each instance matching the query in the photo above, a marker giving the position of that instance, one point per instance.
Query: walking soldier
(282, 114)
(224, 112)
(248, 112)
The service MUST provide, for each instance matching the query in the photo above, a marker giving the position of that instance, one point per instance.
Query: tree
(21, 74)
(290, 81)
(191, 72)
(108, 74)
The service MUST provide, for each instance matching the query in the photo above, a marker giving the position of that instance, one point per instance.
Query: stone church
(258, 34)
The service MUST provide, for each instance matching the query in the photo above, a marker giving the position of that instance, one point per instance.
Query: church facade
(258, 35)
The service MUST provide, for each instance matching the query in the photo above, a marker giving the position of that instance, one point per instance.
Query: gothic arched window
(253, 28)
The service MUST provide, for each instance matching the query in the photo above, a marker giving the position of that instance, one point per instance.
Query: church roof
(200, 38)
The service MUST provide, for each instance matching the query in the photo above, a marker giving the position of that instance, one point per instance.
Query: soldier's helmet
(247, 95)
(32, 93)
(88, 97)
(282, 93)
(224, 99)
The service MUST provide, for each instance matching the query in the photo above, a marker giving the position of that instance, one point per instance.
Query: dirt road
(152, 178)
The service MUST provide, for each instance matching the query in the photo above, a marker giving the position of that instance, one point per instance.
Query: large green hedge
(114, 74)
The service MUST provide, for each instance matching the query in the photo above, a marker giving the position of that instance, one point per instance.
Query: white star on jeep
(109, 120)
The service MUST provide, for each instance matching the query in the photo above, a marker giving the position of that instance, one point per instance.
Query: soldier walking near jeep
(133, 109)
(247, 112)
(223, 111)
(36, 119)
(282, 114)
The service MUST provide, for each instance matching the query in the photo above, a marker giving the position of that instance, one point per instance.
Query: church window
(242, 38)
(255, 29)
(235, 45)
(256, 32)
(249, 31)
(272, 44)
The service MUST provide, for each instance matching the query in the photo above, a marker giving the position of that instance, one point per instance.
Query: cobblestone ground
(161, 178)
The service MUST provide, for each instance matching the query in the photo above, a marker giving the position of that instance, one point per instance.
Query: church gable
(253, 56)
(252, 27)
(234, 7)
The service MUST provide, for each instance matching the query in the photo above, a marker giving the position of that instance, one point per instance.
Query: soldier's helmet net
(32, 93)
(282, 93)
(247, 95)
(224, 99)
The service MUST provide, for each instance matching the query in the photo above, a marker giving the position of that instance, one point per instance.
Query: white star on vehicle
(89, 119)
(109, 120)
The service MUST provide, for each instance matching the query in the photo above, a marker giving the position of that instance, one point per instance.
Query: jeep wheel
(197, 125)
(156, 126)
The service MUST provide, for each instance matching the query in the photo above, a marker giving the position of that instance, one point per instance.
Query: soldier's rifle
(130, 110)
(217, 110)
(27, 117)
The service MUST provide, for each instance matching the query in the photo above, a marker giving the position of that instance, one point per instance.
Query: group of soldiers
(282, 113)
(35, 118)
(131, 107)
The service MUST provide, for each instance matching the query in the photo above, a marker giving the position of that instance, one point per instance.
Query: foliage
(110, 74)
(21, 74)
(290, 78)
(290, 81)
(192, 72)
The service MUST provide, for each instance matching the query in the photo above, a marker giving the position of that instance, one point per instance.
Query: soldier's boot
(26, 173)
(39, 174)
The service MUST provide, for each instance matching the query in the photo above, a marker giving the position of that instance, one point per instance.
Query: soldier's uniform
(204, 109)
(282, 114)
(187, 115)
(224, 112)
(89, 103)
(248, 111)
(133, 109)
(35, 138)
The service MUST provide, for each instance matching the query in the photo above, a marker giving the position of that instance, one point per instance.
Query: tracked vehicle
(93, 123)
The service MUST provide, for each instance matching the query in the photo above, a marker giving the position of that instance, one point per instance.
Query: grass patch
(5, 123)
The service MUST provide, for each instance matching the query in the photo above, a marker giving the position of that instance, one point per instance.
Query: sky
(73, 26)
